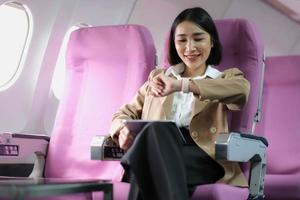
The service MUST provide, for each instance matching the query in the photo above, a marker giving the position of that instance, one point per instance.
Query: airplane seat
(280, 123)
(105, 66)
(242, 48)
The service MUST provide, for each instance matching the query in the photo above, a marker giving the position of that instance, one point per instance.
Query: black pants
(163, 167)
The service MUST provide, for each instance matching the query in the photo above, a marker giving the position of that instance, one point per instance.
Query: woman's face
(192, 44)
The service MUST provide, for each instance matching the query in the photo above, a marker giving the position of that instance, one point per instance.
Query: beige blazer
(229, 91)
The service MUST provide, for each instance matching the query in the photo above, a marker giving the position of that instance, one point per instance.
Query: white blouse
(183, 102)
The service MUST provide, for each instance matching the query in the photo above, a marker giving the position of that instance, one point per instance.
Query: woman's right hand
(126, 138)
(163, 85)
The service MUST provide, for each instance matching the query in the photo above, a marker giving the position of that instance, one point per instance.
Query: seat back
(280, 121)
(242, 48)
(280, 125)
(105, 67)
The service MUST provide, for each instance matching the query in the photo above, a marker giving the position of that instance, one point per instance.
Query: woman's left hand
(163, 85)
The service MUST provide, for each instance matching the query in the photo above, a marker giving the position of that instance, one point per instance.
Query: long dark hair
(200, 17)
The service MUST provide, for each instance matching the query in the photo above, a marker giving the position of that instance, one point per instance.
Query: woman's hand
(126, 138)
(164, 85)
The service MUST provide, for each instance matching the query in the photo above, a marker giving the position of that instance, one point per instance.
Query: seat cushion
(220, 192)
(282, 187)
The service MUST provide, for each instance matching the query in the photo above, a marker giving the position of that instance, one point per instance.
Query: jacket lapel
(166, 103)
(198, 106)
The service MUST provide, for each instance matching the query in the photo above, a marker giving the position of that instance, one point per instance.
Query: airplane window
(14, 23)
(59, 73)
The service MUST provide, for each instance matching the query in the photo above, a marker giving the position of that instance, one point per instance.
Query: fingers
(159, 81)
(162, 86)
(156, 89)
(157, 86)
(126, 138)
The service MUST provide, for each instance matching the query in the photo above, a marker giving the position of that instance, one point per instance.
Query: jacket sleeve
(230, 88)
(131, 110)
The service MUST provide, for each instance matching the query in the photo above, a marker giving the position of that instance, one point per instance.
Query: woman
(194, 95)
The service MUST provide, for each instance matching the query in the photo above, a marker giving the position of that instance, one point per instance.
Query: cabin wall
(16, 101)
(26, 105)
(281, 35)
(30, 106)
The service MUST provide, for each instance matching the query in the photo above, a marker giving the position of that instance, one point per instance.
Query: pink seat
(280, 124)
(105, 67)
(242, 48)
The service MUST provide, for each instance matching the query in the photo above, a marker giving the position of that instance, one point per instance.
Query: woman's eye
(182, 40)
(198, 39)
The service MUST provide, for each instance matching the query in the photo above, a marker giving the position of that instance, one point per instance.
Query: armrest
(240, 147)
(19, 150)
(104, 148)
(262, 139)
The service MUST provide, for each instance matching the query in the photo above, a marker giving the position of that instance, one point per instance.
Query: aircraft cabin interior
(87, 85)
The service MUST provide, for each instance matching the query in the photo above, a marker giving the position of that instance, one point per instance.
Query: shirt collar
(177, 70)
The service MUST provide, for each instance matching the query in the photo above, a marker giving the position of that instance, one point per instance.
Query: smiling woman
(13, 38)
(195, 96)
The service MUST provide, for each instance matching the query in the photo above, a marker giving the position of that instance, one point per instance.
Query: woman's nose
(190, 46)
